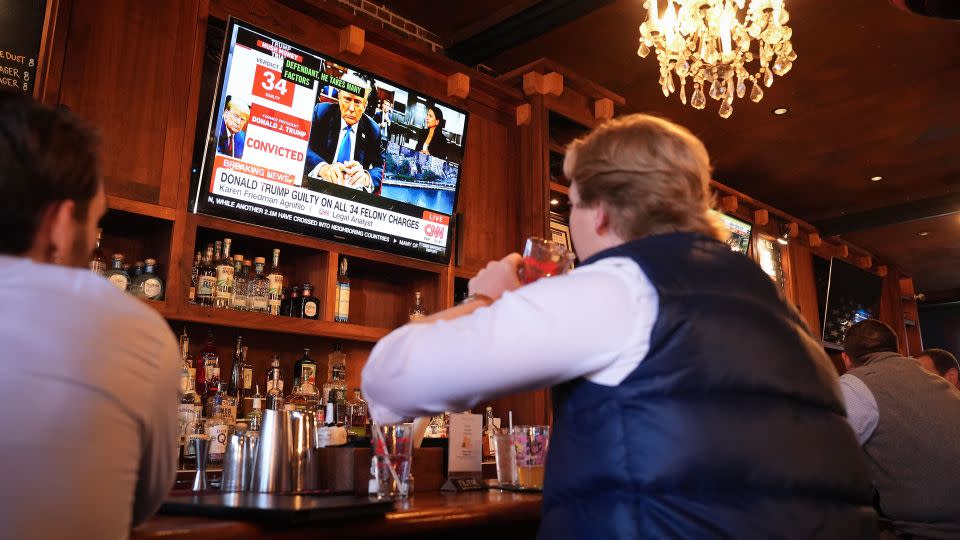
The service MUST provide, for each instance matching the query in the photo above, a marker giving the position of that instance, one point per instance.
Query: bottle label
(247, 378)
(193, 373)
(119, 281)
(343, 302)
(310, 309)
(239, 300)
(205, 286)
(278, 384)
(99, 267)
(224, 281)
(256, 404)
(152, 288)
(218, 438)
(258, 303)
(208, 372)
(308, 373)
(230, 411)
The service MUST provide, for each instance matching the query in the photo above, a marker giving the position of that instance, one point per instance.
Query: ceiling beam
(533, 21)
(891, 215)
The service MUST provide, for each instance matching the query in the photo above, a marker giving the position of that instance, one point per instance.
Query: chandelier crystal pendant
(711, 42)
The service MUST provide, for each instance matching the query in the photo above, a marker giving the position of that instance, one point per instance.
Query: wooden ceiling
(875, 92)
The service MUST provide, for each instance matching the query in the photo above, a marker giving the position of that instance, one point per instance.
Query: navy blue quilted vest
(732, 426)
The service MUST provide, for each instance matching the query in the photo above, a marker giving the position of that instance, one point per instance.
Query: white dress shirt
(593, 322)
(863, 415)
(88, 392)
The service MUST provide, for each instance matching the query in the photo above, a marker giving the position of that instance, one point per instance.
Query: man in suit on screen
(233, 134)
(344, 145)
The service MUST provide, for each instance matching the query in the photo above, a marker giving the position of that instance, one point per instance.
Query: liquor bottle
(255, 414)
(487, 445)
(185, 354)
(98, 263)
(221, 398)
(335, 389)
(305, 397)
(291, 305)
(219, 426)
(188, 411)
(236, 374)
(357, 415)
(258, 297)
(305, 369)
(210, 392)
(309, 305)
(275, 375)
(148, 285)
(342, 301)
(194, 273)
(207, 361)
(196, 428)
(223, 296)
(417, 312)
(275, 277)
(117, 275)
(206, 279)
(240, 283)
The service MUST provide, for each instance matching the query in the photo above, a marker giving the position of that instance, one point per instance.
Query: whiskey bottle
(309, 305)
(275, 278)
(357, 415)
(238, 300)
(222, 399)
(342, 301)
(305, 398)
(275, 375)
(185, 354)
(291, 305)
(236, 374)
(206, 280)
(137, 271)
(98, 263)
(194, 273)
(258, 296)
(223, 296)
(208, 360)
(417, 312)
(148, 284)
(117, 275)
(219, 428)
(188, 411)
(487, 445)
(305, 369)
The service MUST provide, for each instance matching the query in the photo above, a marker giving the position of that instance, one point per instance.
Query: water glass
(544, 258)
(531, 444)
(393, 453)
(506, 457)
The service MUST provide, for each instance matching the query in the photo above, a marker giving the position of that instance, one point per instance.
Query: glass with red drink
(544, 258)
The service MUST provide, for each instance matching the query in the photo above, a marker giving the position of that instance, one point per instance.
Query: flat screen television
(852, 295)
(740, 231)
(306, 143)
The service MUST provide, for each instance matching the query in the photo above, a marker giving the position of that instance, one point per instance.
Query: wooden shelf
(272, 323)
(559, 188)
(141, 208)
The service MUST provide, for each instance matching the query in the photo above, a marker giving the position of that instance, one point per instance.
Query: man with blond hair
(688, 400)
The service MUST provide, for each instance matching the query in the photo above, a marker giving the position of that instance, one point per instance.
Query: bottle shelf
(271, 323)
(559, 188)
(141, 208)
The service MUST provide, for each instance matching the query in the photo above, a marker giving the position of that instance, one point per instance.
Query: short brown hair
(48, 155)
(942, 360)
(866, 337)
(652, 176)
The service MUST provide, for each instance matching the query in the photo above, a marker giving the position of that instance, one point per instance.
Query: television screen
(303, 142)
(853, 294)
(739, 240)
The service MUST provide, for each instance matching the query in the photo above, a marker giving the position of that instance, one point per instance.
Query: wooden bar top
(468, 515)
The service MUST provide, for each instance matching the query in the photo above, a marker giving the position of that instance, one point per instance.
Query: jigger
(201, 447)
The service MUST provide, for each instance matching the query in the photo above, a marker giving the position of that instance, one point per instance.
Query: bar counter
(431, 513)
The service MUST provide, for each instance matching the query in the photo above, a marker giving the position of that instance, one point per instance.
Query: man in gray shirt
(88, 374)
(906, 420)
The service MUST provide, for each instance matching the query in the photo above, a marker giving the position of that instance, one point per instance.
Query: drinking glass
(506, 457)
(393, 452)
(531, 444)
(544, 258)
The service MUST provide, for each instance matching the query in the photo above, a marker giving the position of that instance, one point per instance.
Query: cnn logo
(434, 231)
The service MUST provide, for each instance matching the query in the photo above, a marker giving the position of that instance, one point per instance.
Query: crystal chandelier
(711, 42)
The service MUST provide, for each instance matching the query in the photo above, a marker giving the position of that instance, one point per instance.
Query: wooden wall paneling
(574, 106)
(804, 286)
(534, 171)
(117, 74)
(329, 304)
(446, 292)
(891, 307)
(52, 49)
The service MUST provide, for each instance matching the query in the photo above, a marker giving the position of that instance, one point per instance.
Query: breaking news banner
(301, 142)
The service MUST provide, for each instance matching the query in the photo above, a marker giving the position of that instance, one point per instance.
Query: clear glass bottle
(342, 300)
(487, 445)
(98, 262)
(238, 299)
(219, 427)
(305, 397)
(275, 279)
(116, 274)
(236, 374)
(305, 369)
(148, 284)
(258, 296)
(357, 415)
(208, 360)
(206, 280)
(194, 274)
(188, 410)
(255, 414)
(223, 296)
(274, 379)
(335, 389)
(417, 312)
(221, 398)
(309, 304)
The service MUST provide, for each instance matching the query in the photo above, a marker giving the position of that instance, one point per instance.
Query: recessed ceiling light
(554, 202)
(876, 178)
(924, 233)
(780, 111)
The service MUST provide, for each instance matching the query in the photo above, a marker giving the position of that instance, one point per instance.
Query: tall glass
(544, 258)
(393, 452)
(531, 444)
(506, 457)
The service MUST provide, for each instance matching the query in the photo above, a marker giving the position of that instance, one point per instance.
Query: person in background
(689, 402)
(233, 134)
(382, 117)
(431, 140)
(906, 421)
(89, 375)
(942, 363)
